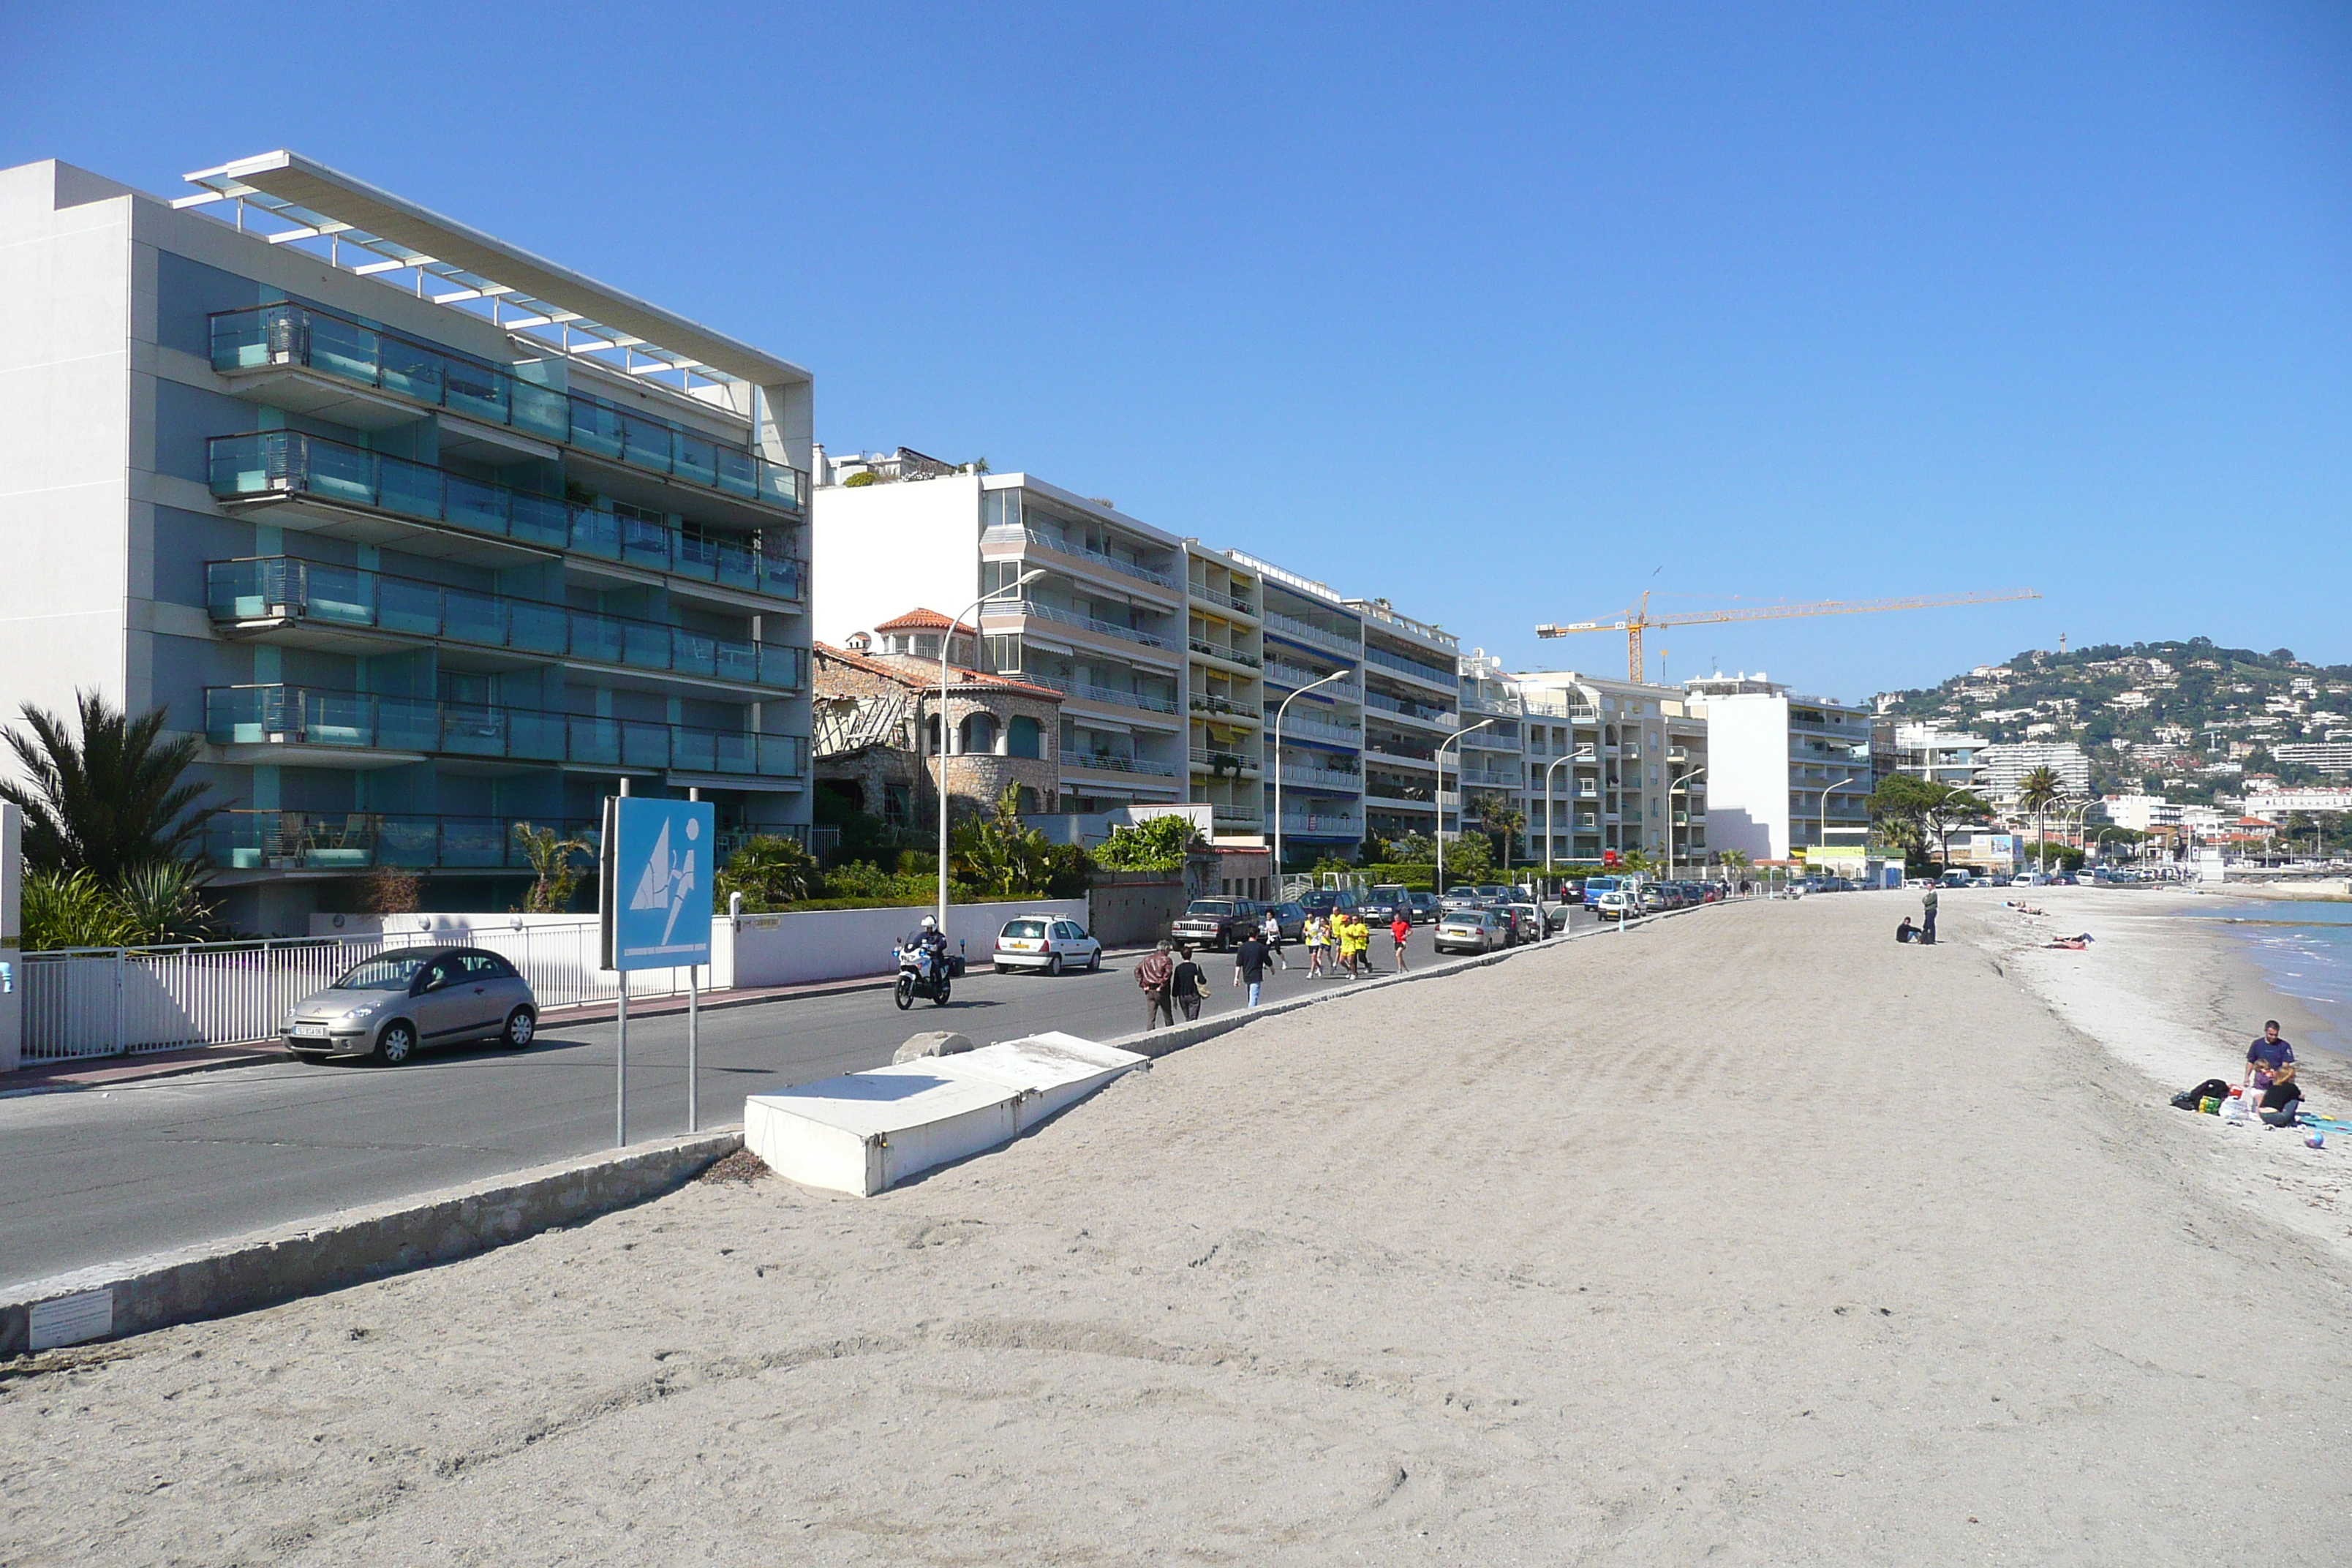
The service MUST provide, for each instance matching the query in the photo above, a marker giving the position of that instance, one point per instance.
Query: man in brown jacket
(1154, 975)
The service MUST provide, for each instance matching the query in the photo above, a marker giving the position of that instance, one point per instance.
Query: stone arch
(977, 734)
(1024, 737)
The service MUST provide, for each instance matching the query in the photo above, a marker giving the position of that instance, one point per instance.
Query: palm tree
(111, 802)
(2037, 793)
(557, 876)
(1733, 861)
(1499, 813)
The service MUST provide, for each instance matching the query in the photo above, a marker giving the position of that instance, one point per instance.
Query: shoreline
(2176, 999)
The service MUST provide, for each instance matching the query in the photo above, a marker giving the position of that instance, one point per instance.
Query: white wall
(1747, 774)
(841, 944)
(878, 550)
(65, 443)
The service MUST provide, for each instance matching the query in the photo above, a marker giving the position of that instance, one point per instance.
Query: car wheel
(1054, 964)
(1094, 965)
(396, 1044)
(522, 1023)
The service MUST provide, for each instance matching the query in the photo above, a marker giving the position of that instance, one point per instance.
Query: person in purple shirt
(2264, 1058)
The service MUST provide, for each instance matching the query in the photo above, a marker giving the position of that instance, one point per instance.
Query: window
(977, 732)
(1024, 737)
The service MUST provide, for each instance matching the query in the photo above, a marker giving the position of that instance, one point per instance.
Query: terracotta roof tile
(913, 682)
(922, 620)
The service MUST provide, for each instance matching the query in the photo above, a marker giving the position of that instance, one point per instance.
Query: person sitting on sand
(1906, 931)
(2283, 1101)
(2265, 1056)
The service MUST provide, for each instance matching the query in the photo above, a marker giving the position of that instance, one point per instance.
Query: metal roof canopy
(588, 319)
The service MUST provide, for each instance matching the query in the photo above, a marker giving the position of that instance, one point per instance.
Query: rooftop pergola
(285, 198)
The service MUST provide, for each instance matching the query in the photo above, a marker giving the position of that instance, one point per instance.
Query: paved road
(97, 1176)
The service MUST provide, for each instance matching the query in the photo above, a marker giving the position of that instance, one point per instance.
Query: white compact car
(1050, 942)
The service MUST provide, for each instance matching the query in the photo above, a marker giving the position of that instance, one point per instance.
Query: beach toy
(2315, 1139)
(2210, 1106)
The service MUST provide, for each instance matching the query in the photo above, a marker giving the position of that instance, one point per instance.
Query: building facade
(424, 536)
(2001, 770)
(1784, 772)
(1925, 751)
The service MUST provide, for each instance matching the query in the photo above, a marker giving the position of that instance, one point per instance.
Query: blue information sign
(656, 882)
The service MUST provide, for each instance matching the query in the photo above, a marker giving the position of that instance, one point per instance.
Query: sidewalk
(91, 1072)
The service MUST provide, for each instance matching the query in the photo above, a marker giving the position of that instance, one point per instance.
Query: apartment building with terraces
(424, 535)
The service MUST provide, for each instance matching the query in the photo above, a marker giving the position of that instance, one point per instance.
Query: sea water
(2305, 950)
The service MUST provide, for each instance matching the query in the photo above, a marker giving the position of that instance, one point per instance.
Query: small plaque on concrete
(71, 1320)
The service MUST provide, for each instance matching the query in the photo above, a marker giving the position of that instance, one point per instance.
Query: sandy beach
(1753, 1237)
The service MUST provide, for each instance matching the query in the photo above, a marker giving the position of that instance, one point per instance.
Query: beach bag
(2191, 1098)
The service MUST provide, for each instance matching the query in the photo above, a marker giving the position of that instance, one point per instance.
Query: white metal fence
(100, 1001)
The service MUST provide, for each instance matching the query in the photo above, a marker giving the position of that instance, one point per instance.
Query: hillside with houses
(2187, 719)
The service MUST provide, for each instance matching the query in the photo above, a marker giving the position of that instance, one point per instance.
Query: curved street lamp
(1682, 783)
(1280, 709)
(947, 641)
(1440, 798)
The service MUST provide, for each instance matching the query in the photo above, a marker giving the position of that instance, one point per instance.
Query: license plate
(311, 1031)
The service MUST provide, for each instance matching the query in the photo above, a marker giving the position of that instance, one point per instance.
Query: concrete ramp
(865, 1133)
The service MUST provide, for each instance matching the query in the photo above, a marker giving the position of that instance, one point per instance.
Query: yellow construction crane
(1638, 619)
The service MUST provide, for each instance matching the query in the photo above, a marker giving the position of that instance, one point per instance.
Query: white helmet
(930, 924)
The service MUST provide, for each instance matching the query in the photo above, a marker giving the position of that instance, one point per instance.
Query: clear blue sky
(1494, 310)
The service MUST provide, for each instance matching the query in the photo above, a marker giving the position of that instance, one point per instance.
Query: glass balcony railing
(1014, 533)
(288, 463)
(1120, 762)
(1111, 694)
(1219, 650)
(1413, 668)
(350, 350)
(1060, 616)
(299, 715)
(1312, 636)
(279, 587)
(1426, 713)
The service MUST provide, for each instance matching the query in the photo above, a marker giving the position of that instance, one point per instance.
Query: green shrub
(1159, 844)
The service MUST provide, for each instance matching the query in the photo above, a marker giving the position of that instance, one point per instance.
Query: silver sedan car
(387, 1006)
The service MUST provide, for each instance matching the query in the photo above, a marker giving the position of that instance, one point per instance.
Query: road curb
(351, 1247)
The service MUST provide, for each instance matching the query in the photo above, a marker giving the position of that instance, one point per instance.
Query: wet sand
(1750, 1239)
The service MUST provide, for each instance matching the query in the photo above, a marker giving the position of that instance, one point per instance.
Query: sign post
(654, 904)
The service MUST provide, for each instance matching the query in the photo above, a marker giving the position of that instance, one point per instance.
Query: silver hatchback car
(387, 1006)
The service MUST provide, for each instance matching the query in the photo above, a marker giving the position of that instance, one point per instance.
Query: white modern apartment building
(1612, 764)
(2001, 770)
(1784, 772)
(1109, 623)
(2276, 805)
(1940, 756)
(424, 535)
(1314, 688)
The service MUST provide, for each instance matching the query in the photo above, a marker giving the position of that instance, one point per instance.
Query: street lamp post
(1282, 708)
(1682, 783)
(1823, 816)
(1551, 819)
(947, 641)
(1441, 795)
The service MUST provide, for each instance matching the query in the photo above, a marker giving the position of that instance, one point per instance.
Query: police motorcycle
(923, 967)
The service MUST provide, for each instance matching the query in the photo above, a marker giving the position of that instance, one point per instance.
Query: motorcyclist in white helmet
(931, 944)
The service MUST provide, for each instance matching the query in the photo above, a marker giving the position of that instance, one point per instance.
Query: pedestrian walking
(1249, 965)
(1400, 929)
(1927, 926)
(1188, 984)
(1273, 930)
(1154, 975)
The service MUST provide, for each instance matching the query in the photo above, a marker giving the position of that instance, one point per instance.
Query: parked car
(1594, 887)
(1380, 905)
(1328, 902)
(1423, 907)
(387, 1006)
(1292, 918)
(1526, 922)
(1218, 923)
(1557, 916)
(1473, 931)
(1047, 942)
(1613, 904)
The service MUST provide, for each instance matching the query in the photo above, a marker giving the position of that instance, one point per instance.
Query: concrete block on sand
(865, 1133)
(932, 1043)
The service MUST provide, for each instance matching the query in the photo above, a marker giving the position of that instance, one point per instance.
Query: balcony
(1403, 750)
(1420, 713)
(359, 721)
(1311, 635)
(1004, 533)
(1333, 779)
(279, 466)
(1204, 647)
(1316, 824)
(1677, 754)
(1297, 728)
(289, 337)
(1247, 713)
(1237, 817)
(1238, 762)
(1032, 607)
(1296, 680)
(1488, 779)
(1418, 795)
(1233, 602)
(1119, 762)
(1444, 678)
(1111, 695)
(328, 606)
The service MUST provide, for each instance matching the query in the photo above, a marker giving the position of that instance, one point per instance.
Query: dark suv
(1218, 923)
